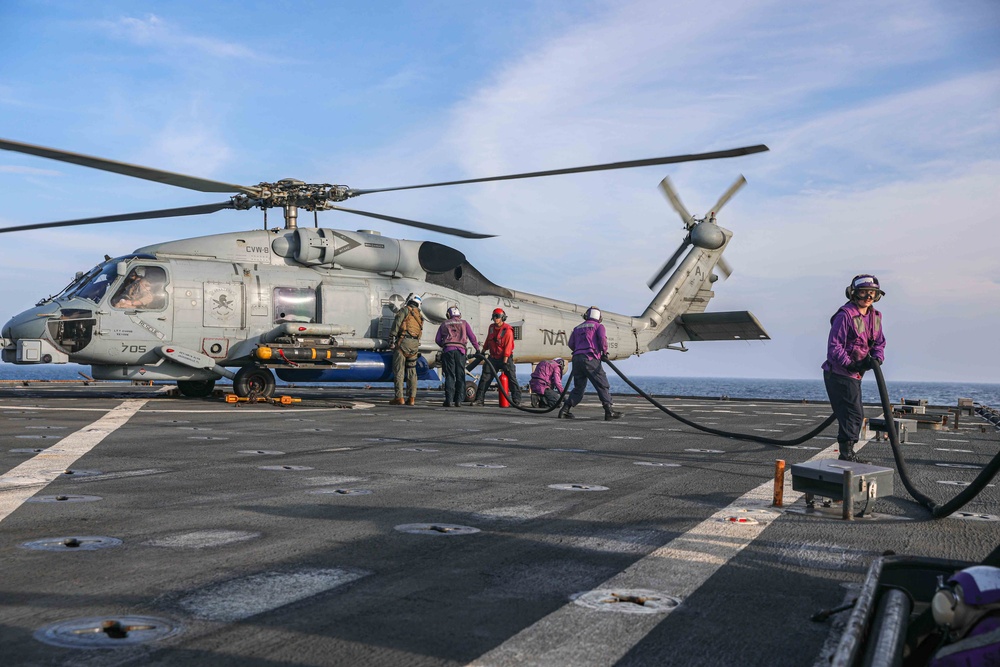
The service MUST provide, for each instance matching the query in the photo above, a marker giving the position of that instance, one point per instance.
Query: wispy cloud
(155, 32)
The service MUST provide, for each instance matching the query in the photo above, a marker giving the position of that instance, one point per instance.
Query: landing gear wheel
(254, 380)
(196, 388)
(470, 391)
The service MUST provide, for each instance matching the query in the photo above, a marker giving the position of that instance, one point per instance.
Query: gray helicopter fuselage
(218, 298)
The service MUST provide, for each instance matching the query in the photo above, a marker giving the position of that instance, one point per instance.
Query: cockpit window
(94, 289)
(142, 289)
(93, 284)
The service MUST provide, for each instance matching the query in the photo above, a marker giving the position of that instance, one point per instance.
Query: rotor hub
(291, 192)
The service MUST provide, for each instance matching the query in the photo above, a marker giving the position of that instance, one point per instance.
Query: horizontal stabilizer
(735, 325)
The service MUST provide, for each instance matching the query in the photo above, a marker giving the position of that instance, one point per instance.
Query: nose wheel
(253, 380)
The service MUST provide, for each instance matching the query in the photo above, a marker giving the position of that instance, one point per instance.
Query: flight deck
(141, 529)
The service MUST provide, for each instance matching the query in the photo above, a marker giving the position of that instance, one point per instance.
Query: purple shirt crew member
(856, 342)
(546, 382)
(589, 342)
(453, 336)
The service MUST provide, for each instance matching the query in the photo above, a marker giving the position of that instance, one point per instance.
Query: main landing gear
(254, 380)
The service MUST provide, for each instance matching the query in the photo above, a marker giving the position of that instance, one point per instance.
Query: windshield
(96, 285)
(93, 285)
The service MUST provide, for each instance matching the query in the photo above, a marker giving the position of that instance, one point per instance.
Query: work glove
(856, 366)
(604, 357)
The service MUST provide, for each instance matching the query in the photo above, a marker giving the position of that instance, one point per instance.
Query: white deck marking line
(36, 473)
(574, 635)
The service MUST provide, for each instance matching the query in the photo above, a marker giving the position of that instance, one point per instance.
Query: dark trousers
(487, 377)
(453, 367)
(845, 399)
(585, 369)
(549, 398)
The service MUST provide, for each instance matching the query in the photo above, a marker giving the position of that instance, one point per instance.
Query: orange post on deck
(779, 483)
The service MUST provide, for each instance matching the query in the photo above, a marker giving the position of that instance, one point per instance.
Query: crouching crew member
(453, 336)
(499, 347)
(855, 339)
(589, 342)
(405, 337)
(546, 382)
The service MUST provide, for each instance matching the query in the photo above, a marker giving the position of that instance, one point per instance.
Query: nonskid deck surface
(343, 530)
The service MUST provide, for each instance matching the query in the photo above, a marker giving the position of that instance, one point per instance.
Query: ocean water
(936, 393)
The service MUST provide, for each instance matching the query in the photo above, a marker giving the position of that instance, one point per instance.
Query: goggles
(497, 316)
(865, 293)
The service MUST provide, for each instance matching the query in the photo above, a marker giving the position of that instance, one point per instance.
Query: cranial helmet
(454, 312)
(501, 313)
(414, 299)
(594, 313)
(864, 281)
(561, 362)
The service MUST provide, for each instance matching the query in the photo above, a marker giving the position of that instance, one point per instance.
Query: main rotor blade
(667, 187)
(734, 152)
(143, 215)
(136, 171)
(669, 264)
(413, 223)
(728, 194)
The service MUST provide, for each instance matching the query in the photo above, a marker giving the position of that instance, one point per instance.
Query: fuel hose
(956, 503)
(726, 434)
(937, 511)
(534, 411)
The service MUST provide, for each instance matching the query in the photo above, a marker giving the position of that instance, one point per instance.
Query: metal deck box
(878, 426)
(842, 480)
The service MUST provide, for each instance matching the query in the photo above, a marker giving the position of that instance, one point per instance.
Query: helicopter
(316, 304)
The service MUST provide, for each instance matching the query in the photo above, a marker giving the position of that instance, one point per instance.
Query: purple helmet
(864, 281)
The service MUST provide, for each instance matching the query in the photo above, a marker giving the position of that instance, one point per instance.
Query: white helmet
(414, 299)
(593, 313)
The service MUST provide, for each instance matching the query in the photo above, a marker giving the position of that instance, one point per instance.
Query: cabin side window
(294, 304)
(144, 288)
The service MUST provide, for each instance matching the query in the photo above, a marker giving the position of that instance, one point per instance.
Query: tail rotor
(701, 232)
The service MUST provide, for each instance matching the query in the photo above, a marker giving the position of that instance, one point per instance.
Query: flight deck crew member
(546, 381)
(855, 339)
(589, 342)
(405, 337)
(499, 346)
(453, 336)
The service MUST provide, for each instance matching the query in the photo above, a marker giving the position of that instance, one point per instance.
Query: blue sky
(883, 120)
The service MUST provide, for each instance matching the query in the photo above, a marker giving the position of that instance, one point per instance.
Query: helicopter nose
(29, 324)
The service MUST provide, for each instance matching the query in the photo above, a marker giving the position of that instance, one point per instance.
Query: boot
(446, 404)
(610, 414)
(396, 401)
(480, 401)
(412, 400)
(847, 453)
(564, 412)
